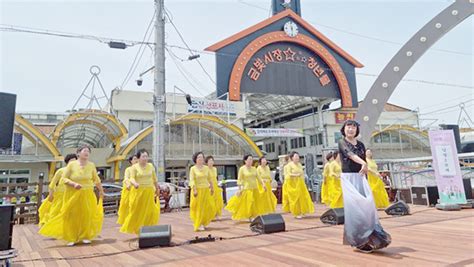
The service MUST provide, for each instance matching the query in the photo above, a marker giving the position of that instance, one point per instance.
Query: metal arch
(231, 127)
(87, 115)
(34, 131)
(383, 87)
(123, 151)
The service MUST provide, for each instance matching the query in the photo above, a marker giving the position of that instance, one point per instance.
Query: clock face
(291, 29)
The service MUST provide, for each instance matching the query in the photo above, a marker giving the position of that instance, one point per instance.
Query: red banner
(341, 117)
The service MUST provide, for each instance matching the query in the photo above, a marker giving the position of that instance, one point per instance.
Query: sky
(48, 73)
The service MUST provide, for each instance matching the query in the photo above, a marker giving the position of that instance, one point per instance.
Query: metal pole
(159, 92)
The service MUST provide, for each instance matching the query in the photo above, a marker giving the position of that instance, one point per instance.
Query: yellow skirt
(144, 210)
(245, 206)
(218, 199)
(124, 205)
(50, 209)
(298, 200)
(337, 201)
(268, 201)
(325, 190)
(80, 218)
(202, 208)
(379, 192)
(43, 211)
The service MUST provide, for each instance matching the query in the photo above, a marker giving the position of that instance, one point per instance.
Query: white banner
(212, 107)
(274, 132)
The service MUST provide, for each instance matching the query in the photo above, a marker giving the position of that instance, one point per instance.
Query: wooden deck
(428, 237)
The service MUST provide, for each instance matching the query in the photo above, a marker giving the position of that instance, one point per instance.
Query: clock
(291, 29)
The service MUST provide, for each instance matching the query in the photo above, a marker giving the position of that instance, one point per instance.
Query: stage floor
(428, 237)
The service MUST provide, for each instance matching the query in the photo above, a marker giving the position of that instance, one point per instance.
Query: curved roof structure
(34, 135)
(230, 133)
(92, 127)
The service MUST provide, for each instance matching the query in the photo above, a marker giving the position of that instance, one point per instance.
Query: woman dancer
(144, 196)
(327, 183)
(81, 216)
(53, 204)
(362, 229)
(268, 199)
(125, 195)
(376, 183)
(246, 204)
(202, 206)
(299, 200)
(337, 201)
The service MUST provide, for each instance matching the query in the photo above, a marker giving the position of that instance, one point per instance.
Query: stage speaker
(6, 226)
(398, 208)
(7, 120)
(333, 216)
(467, 188)
(152, 236)
(267, 224)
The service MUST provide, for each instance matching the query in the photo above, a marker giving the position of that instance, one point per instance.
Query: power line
(357, 73)
(363, 35)
(189, 49)
(182, 72)
(187, 73)
(21, 29)
(139, 54)
(448, 108)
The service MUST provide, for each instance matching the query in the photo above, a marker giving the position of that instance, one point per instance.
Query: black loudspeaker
(457, 136)
(267, 224)
(467, 188)
(7, 120)
(6, 226)
(152, 236)
(398, 208)
(333, 216)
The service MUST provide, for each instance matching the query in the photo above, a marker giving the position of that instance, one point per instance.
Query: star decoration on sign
(289, 55)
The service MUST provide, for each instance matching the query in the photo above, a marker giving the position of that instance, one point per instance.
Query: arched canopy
(92, 127)
(231, 134)
(33, 134)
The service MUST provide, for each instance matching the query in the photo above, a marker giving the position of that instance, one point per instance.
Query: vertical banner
(446, 167)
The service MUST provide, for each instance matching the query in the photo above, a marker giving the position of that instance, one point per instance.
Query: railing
(26, 204)
(26, 196)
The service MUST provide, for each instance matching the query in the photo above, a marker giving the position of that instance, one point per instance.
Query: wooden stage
(428, 237)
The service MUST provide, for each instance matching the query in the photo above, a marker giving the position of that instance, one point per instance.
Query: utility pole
(159, 101)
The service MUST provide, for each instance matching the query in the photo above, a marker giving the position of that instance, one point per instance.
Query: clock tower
(281, 5)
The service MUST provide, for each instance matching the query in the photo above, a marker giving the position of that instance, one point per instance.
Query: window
(337, 137)
(270, 148)
(316, 139)
(298, 142)
(51, 117)
(134, 126)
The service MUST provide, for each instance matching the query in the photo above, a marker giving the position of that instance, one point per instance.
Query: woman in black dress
(362, 228)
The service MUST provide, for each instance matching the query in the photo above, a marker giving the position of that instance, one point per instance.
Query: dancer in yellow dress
(52, 205)
(299, 200)
(327, 182)
(337, 199)
(125, 195)
(376, 183)
(144, 196)
(285, 204)
(269, 201)
(218, 199)
(202, 205)
(81, 215)
(246, 204)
